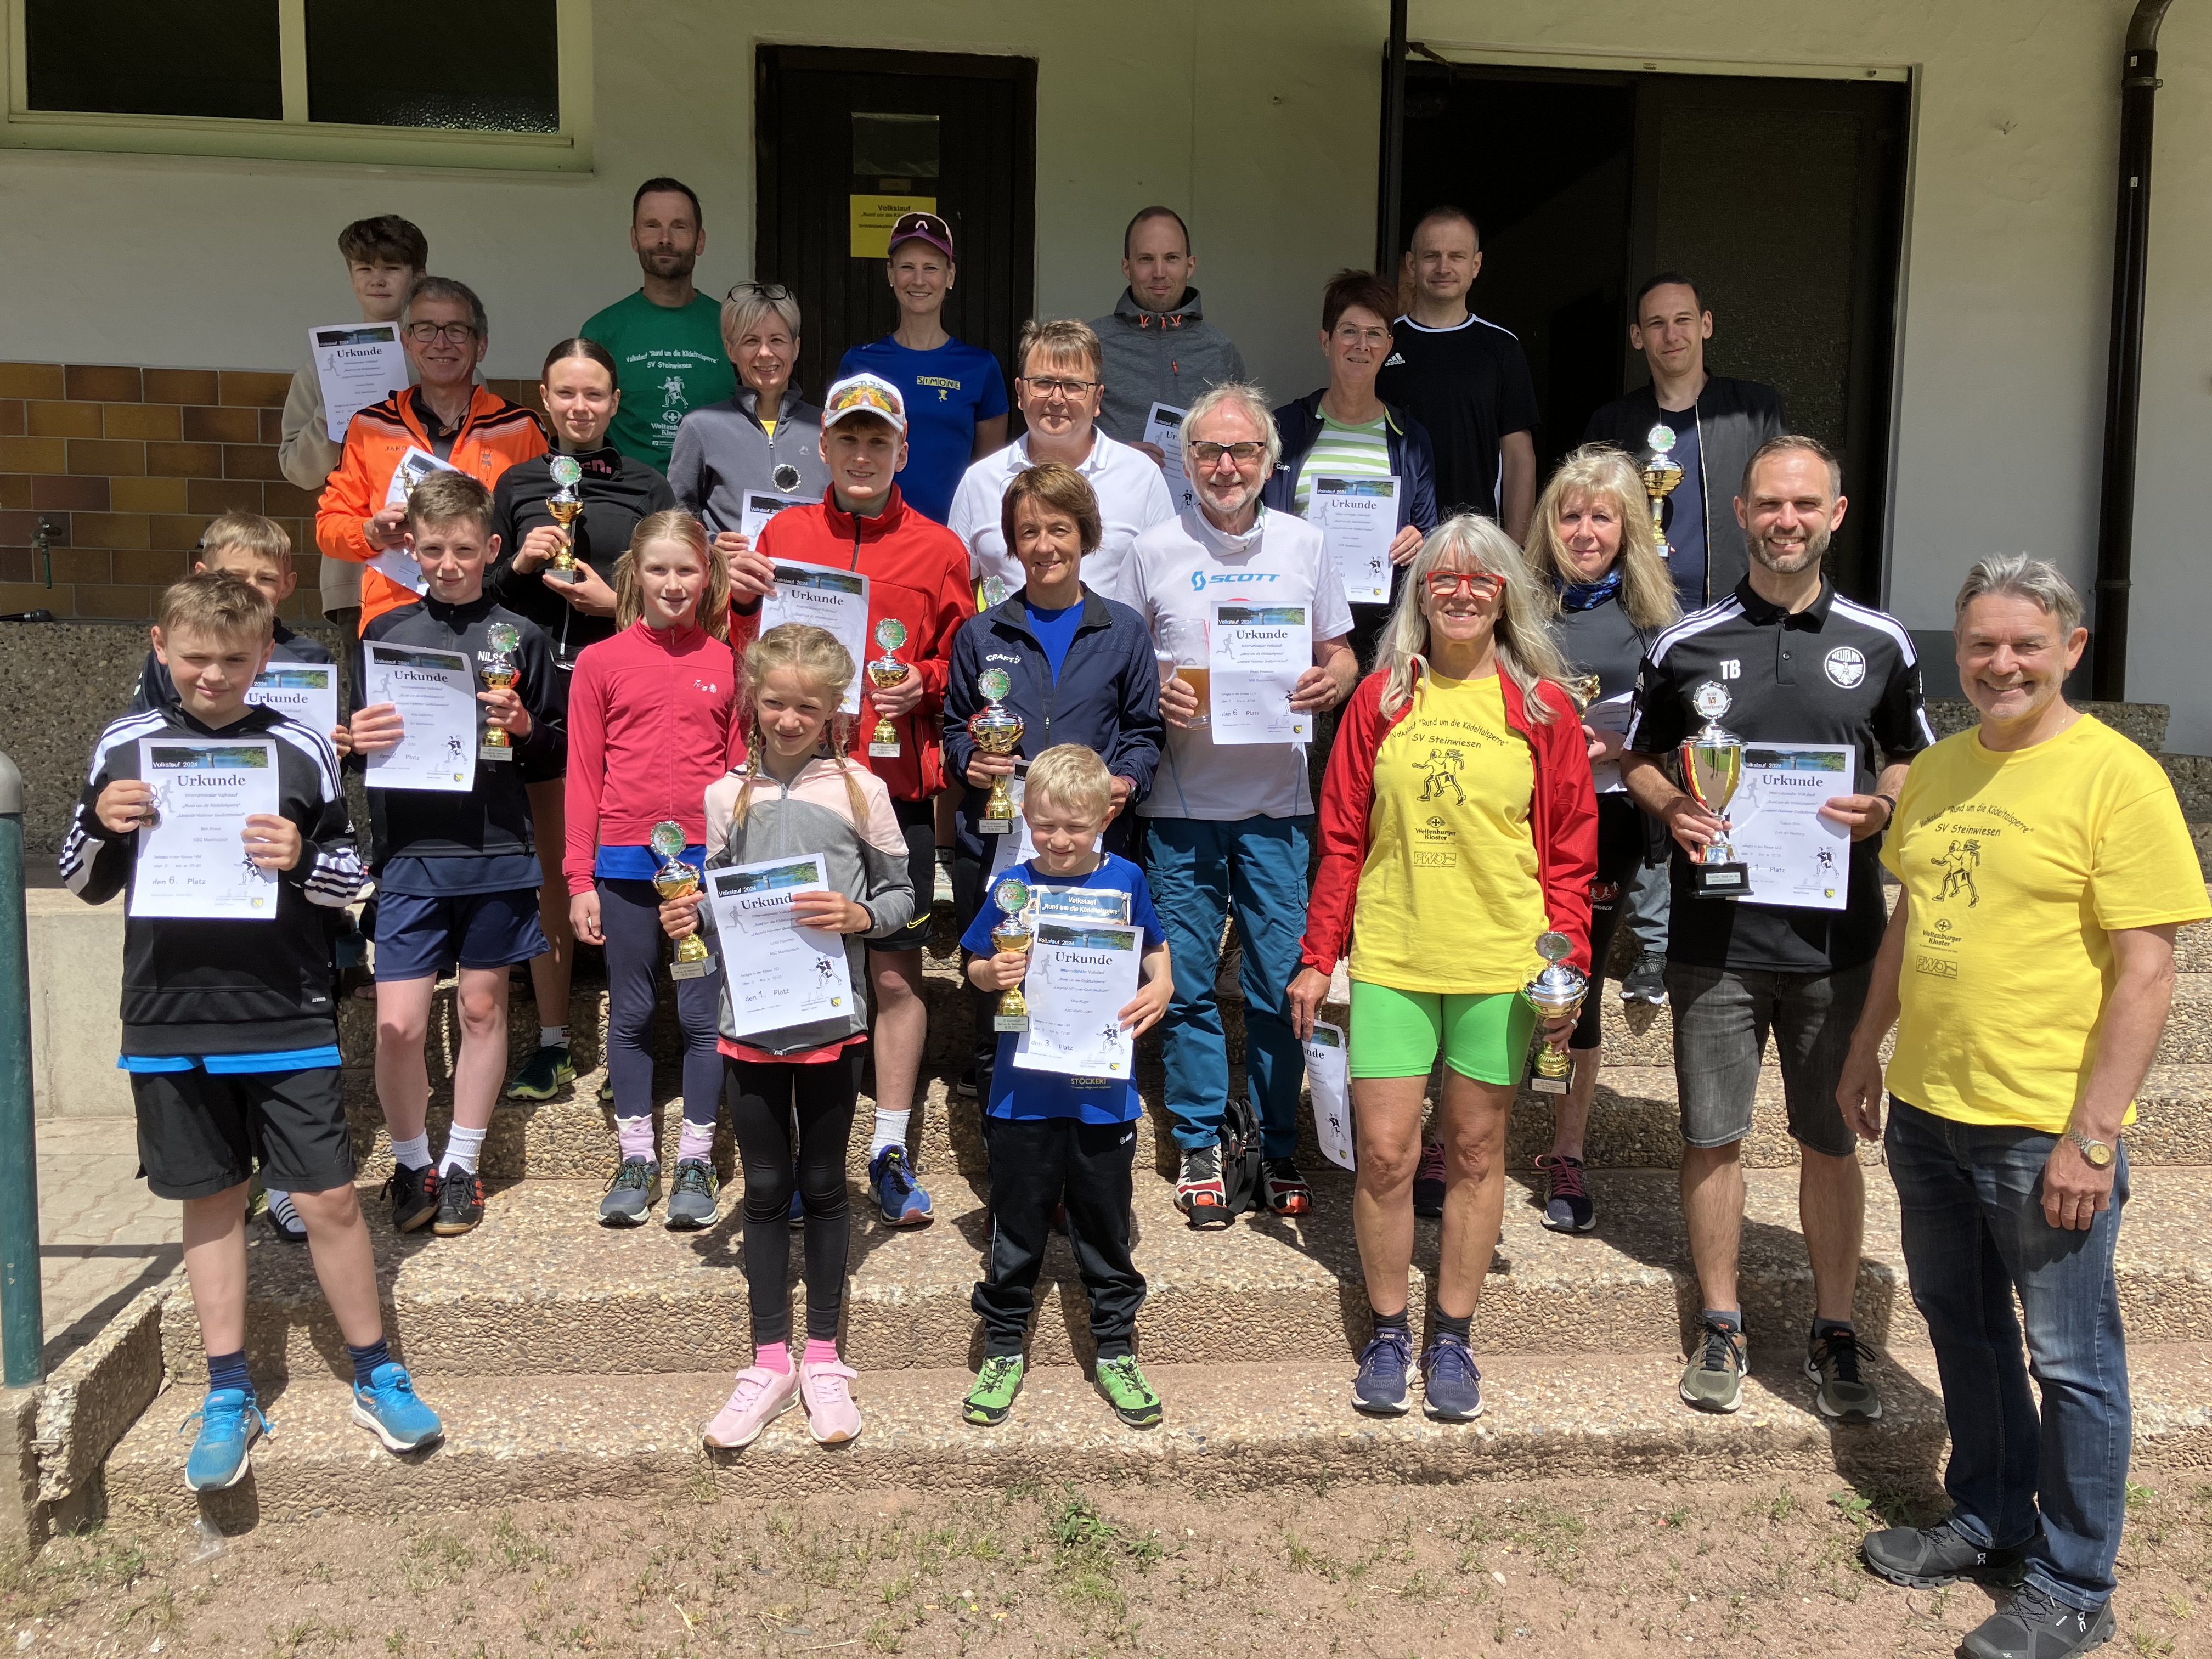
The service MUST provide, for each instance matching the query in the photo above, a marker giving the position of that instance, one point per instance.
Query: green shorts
(1484, 1035)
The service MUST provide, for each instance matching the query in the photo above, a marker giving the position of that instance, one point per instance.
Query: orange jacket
(494, 434)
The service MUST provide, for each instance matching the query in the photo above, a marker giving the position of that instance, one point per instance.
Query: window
(500, 83)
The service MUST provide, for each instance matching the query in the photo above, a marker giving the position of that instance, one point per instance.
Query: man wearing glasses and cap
(955, 393)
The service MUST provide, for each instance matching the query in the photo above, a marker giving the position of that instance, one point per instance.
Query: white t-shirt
(1177, 571)
(1132, 497)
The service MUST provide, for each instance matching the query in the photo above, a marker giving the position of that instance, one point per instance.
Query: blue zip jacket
(1413, 459)
(1108, 699)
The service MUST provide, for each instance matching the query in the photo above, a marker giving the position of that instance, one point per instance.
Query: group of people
(1501, 739)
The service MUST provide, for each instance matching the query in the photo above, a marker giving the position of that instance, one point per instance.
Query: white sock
(890, 1131)
(277, 1195)
(413, 1153)
(552, 1037)
(463, 1147)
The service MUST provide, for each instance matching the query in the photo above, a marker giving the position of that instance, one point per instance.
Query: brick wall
(127, 465)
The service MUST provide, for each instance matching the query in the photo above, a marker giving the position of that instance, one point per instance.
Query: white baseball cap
(863, 394)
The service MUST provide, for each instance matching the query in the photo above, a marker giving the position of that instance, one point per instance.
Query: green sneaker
(993, 1396)
(1127, 1393)
(1714, 1380)
(542, 1075)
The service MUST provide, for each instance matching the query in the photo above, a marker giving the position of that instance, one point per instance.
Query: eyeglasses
(453, 333)
(1350, 334)
(1479, 584)
(1242, 453)
(1058, 388)
(769, 293)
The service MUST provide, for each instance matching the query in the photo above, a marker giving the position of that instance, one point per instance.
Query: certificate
(1359, 520)
(436, 697)
(1017, 844)
(1799, 860)
(1609, 714)
(1081, 976)
(1326, 1077)
(835, 600)
(308, 691)
(192, 858)
(1164, 427)
(400, 562)
(1255, 653)
(777, 974)
(356, 364)
(760, 505)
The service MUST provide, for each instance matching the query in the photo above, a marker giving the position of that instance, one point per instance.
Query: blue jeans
(1197, 867)
(1971, 1202)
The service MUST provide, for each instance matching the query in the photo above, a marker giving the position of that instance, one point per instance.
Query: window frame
(294, 138)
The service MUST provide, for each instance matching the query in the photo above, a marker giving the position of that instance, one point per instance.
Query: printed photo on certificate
(760, 508)
(308, 691)
(192, 858)
(777, 974)
(1256, 654)
(1797, 858)
(835, 600)
(436, 696)
(1081, 976)
(1358, 520)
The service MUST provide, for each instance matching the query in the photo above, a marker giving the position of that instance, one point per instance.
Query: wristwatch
(2097, 1154)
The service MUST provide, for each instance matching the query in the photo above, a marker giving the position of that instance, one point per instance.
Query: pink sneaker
(831, 1416)
(759, 1398)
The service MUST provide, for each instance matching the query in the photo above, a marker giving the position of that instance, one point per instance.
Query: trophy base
(995, 826)
(1539, 1083)
(573, 573)
(699, 970)
(883, 752)
(1010, 1022)
(1720, 881)
(496, 752)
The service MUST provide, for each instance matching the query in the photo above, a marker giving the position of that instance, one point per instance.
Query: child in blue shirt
(1055, 1139)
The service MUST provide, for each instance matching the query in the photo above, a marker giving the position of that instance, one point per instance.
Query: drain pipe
(2108, 675)
(1394, 148)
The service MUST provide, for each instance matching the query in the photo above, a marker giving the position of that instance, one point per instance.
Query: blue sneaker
(903, 1203)
(1380, 1388)
(1451, 1387)
(229, 1419)
(387, 1406)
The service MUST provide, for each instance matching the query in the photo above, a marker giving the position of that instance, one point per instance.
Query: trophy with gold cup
(1661, 474)
(1712, 767)
(673, 880)
(565, 504)
(1013, 933)
(884, 672)
(498, 673)
(1556, 992)
(1584, 689)
(997, 731)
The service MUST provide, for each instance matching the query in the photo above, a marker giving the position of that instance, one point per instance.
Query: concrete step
(540, 1286)
(1228, 1429)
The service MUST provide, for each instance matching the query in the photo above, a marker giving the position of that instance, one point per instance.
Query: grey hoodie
(1159, 356)
(722, 451)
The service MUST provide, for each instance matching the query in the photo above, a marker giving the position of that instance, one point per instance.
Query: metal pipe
(2115, 518)
(22, 1306)
(1394, 147)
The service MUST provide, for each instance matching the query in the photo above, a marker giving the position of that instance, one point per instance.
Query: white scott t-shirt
(1132, 497)
(1176, 571)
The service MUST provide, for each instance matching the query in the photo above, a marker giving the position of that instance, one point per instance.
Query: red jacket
(917, 571)
(1563, 817)
(653, 719)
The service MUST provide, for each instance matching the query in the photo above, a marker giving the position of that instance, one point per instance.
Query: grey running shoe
(1832, 1363)
(691, 1201)
(634, 1190)
(1646, 982)
(2037, 1625)
(1714, 1380)
(1928, 1558)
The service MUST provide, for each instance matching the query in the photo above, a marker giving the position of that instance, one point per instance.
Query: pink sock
(773, 1356)
(697, 1141)
(819, 1353)
(635, 1134)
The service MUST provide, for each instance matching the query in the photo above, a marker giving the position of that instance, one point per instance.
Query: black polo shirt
(1836, 672)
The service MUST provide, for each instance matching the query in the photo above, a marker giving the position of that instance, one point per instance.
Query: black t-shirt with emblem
(1836, 672)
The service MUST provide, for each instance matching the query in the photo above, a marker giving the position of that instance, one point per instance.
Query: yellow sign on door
(873, 217)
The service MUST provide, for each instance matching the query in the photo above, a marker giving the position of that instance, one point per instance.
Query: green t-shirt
(668, 360)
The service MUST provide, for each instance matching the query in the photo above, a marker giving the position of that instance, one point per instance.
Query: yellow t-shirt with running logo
(1450, 896)
(2017, 865)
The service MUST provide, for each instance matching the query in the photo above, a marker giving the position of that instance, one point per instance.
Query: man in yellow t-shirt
(2028, 969)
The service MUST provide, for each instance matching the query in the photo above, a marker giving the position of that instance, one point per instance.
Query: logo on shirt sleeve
(1846, 666)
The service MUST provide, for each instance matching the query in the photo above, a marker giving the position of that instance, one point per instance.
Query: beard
(667, 261)
(1791, 562)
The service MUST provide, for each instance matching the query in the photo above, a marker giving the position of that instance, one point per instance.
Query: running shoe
(1451, 1385)
(1428, 1180)
(387, 1407)
(1567, 1207)
(1283, 1189)
(542, 1075)
(691, 1201)
(414, 1195)
(230, 1421)
(967, 1083)
(759, 1398)
(892, 1179)
(283, 1217)
(1928, 1558)
(1646, 982)
(1714, 1380)
(633, 1192)
(2039, 1626)
(607, 1092)
(1384, 1364)
(1833, 1363)
(460, 1203)
(831, 1416)
(993, 1396)
(1128, 1394)
(1199, 1192)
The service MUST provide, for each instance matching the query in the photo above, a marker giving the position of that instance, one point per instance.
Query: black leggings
(1620, 838)
(630, 917)
(762, 1096)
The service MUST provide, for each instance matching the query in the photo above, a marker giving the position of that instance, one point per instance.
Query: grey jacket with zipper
(722, 451)
(1159, 357)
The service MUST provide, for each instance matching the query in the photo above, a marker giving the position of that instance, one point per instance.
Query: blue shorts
(419, 937)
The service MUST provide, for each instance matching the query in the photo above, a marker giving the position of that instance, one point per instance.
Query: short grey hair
(456, 292)
(747, 302)
(1239, 394)
(2016, 576)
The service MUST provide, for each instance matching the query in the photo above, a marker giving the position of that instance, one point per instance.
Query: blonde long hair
(1527, 653)
(815, 655)
(712, 611)
(1599, 471)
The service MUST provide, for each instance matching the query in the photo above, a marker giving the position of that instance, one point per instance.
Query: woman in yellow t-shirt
(1457, 823)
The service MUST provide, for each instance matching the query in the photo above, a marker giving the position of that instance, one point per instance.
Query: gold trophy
(1662, 473)
(498, 673)
(672, 880)
(884, 672)
(997, 731)
(1584, 689)
(1013, 932)
(1712, 766)
(565, 505)
(1556, 992)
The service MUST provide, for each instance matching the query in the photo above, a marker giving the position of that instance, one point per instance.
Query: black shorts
(918, 821)
(199, 1133)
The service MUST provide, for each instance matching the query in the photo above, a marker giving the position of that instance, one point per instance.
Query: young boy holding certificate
(456, 865)
(228, 825)
(1057, 1139)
